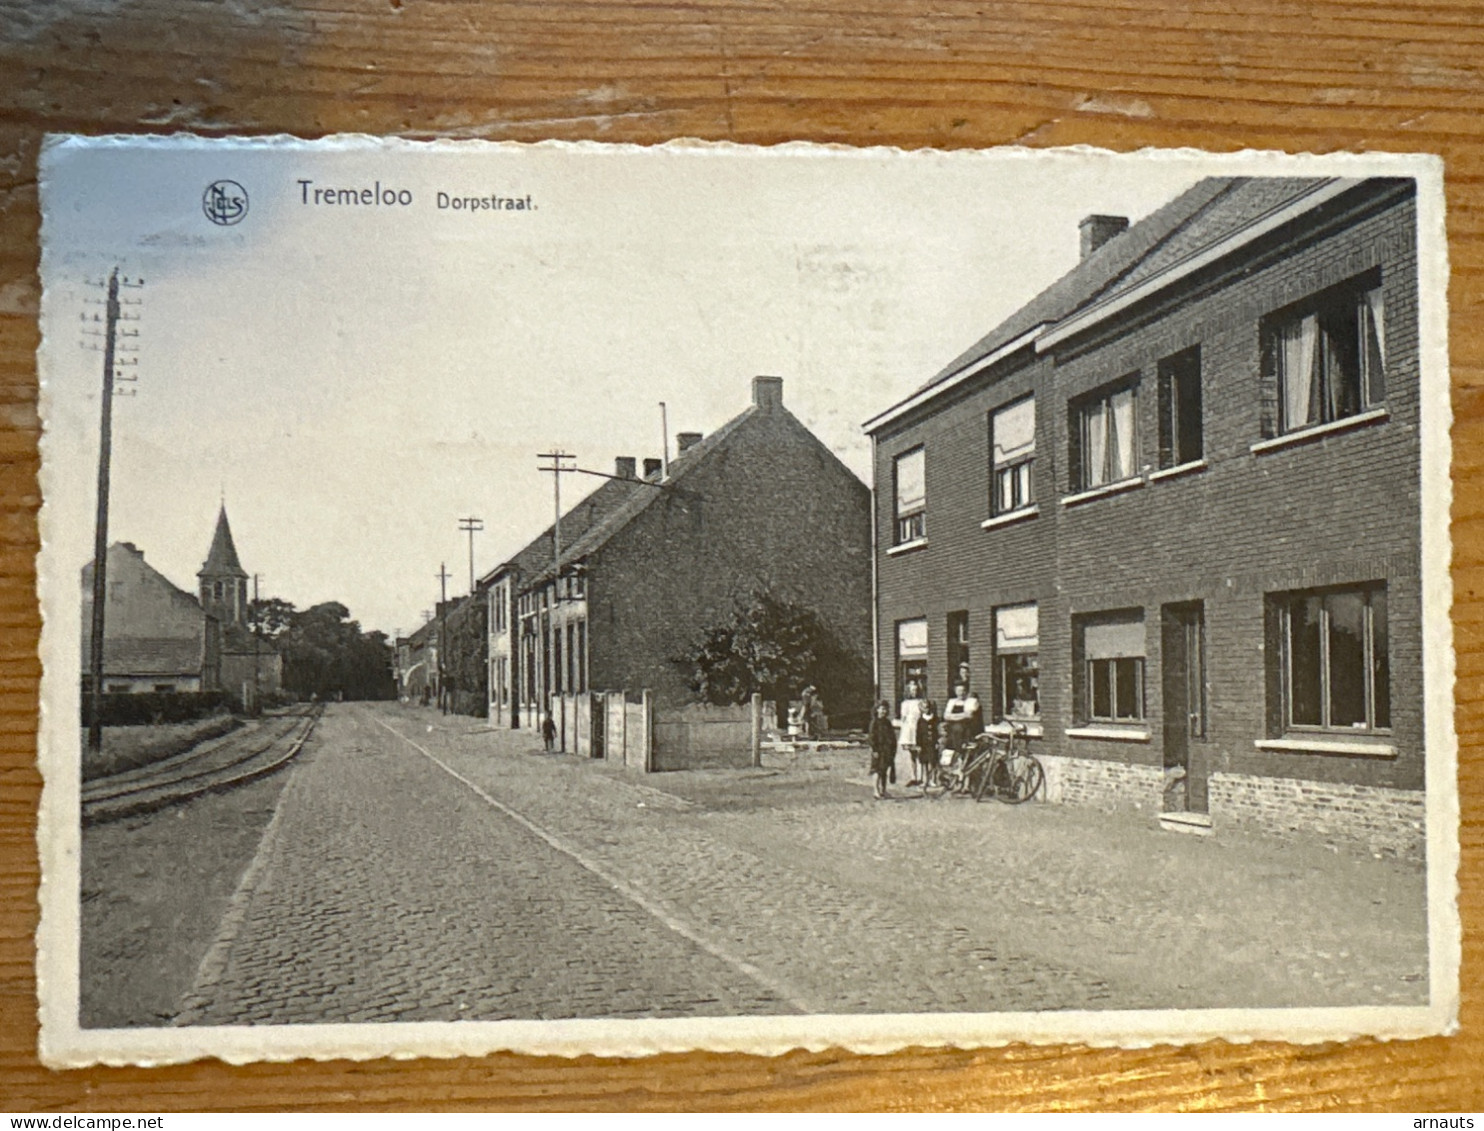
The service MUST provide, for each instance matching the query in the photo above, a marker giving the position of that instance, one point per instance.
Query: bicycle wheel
(1024, 785)
(989, 778)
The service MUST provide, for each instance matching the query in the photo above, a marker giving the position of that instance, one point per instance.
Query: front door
(1183, 651)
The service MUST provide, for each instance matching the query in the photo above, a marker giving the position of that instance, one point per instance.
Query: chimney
(767, 392)
(1097, 230)
(684, 441)
(623, 467)
(652, 468)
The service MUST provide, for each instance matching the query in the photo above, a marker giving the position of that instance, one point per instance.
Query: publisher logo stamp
(224, 202)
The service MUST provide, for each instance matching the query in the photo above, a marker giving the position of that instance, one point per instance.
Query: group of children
(921, 737)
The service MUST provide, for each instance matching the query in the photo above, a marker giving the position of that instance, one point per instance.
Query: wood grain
(1323, 76)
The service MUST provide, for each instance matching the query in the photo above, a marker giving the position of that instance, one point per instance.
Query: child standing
(548, 731)
(883, 747)
(925, 752)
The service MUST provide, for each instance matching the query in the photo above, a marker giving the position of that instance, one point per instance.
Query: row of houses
(1173, 505)
(1166, 516)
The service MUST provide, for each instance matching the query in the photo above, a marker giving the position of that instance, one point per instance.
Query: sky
(352, 380)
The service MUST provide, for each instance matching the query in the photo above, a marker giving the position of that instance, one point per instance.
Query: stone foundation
(1105, 785)
(1387, 821)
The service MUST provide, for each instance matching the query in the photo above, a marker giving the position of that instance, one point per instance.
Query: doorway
(1183, 652)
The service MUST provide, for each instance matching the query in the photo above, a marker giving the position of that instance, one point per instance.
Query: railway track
(210, 767)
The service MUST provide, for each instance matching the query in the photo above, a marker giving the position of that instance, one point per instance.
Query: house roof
(1207, 213)
(146, 656)
(639, 495)
(221, 560)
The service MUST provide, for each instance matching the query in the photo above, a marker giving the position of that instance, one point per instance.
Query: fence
(628, 729)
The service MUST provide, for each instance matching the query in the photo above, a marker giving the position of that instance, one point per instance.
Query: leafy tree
(465, 655)
(775, 648)
(270, 616)
(325, 653)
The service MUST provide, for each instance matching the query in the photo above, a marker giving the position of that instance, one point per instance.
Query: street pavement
(426, 867)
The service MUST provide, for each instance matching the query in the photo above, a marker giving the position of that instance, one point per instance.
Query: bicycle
(999, 764)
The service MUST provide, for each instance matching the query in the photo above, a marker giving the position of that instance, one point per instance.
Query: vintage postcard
(602, 599)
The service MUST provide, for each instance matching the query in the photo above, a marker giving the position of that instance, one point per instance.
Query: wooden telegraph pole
(443, 575)
(472, 526)
(110, 334)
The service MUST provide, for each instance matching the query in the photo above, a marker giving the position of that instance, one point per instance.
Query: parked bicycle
(996, 762)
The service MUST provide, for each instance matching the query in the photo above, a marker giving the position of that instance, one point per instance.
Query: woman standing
(908, 713)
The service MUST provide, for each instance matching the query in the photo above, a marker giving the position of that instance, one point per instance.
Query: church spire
(223, 580)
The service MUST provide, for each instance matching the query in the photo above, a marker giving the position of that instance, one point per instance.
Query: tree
(270, 617)
(326, 654)
(775, 648)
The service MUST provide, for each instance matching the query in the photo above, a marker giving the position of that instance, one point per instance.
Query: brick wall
(771, 507)
(1103, 784)
(1389, 821)
(1332, 511)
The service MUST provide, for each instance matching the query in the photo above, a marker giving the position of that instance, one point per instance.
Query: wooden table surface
(1323, 76)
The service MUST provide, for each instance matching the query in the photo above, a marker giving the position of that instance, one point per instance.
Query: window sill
(1179, 469)
(1011, 517)
(1033, 729)
(1099, 492)
(906, 547)
(1288, 439)
(1323, 744)
(1109, 733)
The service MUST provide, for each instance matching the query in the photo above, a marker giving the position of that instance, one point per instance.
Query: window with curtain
(1113, 659)
(1106, 437)
(1012, 445)
(1017, 635)
(1328, 355)
(911, 496)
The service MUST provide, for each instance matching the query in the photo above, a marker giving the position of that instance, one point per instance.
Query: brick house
(650, 560)
(1168, 514)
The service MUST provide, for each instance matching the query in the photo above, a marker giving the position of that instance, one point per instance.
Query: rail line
(215, 766)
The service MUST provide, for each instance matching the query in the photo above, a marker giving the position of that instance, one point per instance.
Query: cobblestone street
(423, 867)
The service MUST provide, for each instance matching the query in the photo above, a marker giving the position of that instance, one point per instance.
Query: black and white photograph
(574, 598)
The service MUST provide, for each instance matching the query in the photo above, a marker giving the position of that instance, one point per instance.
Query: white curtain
(1121, 442)
(1096, 423)
(1373, 345)
(1299, 351)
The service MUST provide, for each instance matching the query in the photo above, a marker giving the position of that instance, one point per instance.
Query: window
(1113, 668)
(1335, 670)
(958, 651)
(1328, 355)
(164, 687)
(1012, 446)
(582, 655)
(912, 650)
(1017, 662)
(572, 658)
(1180, 439)
(911, 486)
(1104, 438)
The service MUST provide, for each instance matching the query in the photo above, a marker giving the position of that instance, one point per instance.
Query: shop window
(912, 651)
(1017, 663)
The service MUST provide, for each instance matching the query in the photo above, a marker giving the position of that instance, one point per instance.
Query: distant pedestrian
(548, 732)
(907, 714)
(883, 747)
(925, 749)
(813, 712)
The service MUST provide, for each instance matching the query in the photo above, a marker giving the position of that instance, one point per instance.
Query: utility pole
(442, 575)
(110, 333)
(472, 526)
(558, 460)
(257, 627)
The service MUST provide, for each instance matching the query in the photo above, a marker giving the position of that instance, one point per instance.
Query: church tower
(223, 580)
